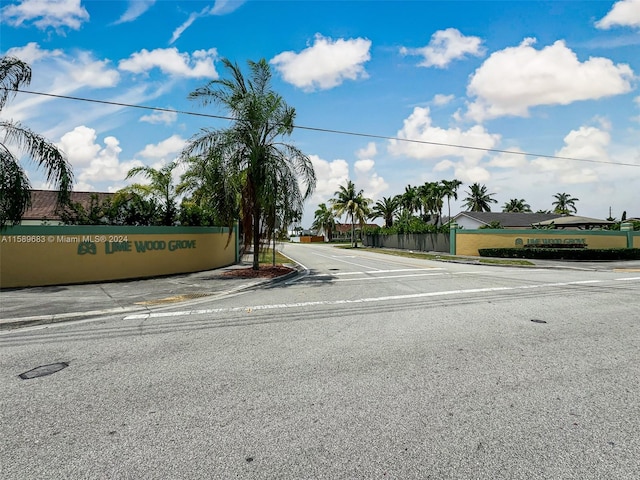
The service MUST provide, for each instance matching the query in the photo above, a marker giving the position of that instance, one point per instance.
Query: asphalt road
(364, 366)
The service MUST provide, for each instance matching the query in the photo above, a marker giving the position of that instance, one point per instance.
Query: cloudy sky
(520, 82)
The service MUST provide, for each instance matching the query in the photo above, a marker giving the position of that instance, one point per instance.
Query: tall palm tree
(324, 219)
(450, 190)
(263, 171)
(478, 199)
(15, 194)
(410, 199)
(431, 195)
(516, 205)
(160, 189)
(352, 203)
(387, 208)
(564, 204)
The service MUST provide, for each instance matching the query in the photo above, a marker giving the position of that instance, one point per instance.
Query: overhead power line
(337, 132)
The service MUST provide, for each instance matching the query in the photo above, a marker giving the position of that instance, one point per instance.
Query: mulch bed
(264, 272)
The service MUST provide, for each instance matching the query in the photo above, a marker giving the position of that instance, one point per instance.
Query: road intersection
(361, 366)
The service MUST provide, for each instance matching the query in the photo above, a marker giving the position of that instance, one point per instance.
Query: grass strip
(439, 257)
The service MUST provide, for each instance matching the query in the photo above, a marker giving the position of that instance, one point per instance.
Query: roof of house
(346, 227)
(575, 221)
(508, 219)
(43, 203)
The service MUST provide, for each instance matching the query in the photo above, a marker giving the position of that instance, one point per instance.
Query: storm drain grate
(43, 370)
(174, 299)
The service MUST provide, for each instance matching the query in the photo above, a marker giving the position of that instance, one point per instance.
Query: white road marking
(339, 259)
(327, 277)
(361, 300)
(378, 271)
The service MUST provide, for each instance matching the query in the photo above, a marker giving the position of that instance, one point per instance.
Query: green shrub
(563, 253)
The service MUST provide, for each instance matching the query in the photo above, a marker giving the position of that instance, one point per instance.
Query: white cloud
(367, 152)
(170, 61)
(363, 166)
(446, 46)
(55, 72)
(330, 175)
(465, 162)
(325, 64)
(186, 24)
(106, 166)
(166, 149)
(418, 126)
(440, 99)
(32, 53)
(589, 143)
(135, 9)
(93, 73)
(625, 13)
(221, 7)
(159, 116)
(509, 160)
(93, 163)
(224, 7)
(367, 179)
(45, 13)
(512, 80)
(79, 146)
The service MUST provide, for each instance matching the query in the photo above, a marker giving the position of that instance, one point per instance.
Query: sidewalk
(41, 305)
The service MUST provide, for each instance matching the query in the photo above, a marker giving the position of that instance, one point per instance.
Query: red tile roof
(43, 203)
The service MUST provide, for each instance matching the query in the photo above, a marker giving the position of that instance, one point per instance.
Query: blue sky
(545, 78)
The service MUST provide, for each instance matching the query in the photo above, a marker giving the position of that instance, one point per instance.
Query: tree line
(419, 209)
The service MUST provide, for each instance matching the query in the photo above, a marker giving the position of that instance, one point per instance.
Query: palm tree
(564, 204)
(262, 171)
(410, 199)
(431, 195)
(161, 189)
(387, 209)
(352, 203)
(211, 190)
(449, 190)
(15, 194)
(516, 205)
(324, 219)
(478, 199)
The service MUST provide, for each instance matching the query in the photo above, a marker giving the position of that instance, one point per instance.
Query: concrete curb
(32, 321)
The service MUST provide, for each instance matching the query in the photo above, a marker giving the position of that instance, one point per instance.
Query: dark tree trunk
(256, 237)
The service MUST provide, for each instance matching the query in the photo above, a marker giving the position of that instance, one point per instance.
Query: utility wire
(338, 132)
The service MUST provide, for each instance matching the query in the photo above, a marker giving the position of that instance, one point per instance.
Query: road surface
(364, 366)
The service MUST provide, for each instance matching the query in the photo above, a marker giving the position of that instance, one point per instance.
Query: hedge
(563, 253)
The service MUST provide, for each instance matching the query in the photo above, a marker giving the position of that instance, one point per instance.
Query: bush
(563, 253)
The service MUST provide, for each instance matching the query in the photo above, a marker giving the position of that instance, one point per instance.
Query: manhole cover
(334, 269)
(43, 370)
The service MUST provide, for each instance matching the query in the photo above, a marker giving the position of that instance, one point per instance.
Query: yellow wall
(636, 240)
(468, 243)
(32, 256)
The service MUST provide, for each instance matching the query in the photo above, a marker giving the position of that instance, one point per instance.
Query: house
(575, 222)
(475, 220)
(342, 231)
(44, 202)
